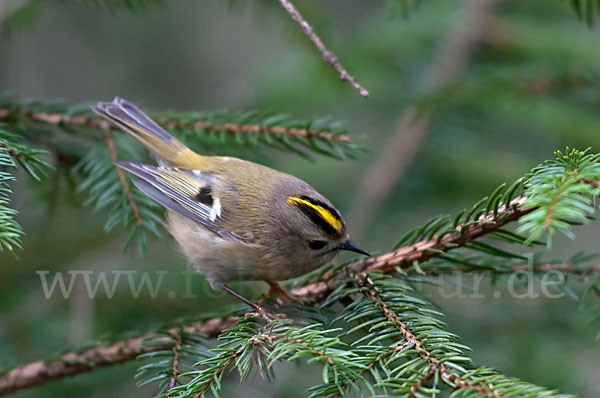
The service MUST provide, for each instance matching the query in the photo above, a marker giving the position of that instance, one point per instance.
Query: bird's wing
(190, 193)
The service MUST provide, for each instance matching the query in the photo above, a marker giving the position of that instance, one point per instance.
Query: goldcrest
(233, 219)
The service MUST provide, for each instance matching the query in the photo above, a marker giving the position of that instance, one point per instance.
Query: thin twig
(327, 55)
(593, 183)
(462, 383)
(372, 292)
(176, 351)
(219, 370)
(88, 121)
(113, 152)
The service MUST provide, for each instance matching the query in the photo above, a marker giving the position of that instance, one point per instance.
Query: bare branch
(73, 363)
(327, 55)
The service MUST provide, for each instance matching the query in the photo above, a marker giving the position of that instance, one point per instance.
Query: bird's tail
(135, 122)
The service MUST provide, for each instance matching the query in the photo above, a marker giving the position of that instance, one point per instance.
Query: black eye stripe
(316, 244)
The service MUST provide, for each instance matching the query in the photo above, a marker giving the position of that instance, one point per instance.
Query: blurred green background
(529, 86)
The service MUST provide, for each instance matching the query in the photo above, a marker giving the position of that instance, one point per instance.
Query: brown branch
(73, 363)
(462, 383)
(176, 350)
(372, 292)
(424, 250)
(254, 128)
(422, 380)
(450, 61)
(94, 122)
(113, 152)
(593, 183)
(327, 55)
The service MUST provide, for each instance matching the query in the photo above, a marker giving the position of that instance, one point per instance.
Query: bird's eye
(316, 244)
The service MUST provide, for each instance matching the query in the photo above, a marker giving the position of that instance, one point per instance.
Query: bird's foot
(276, 290)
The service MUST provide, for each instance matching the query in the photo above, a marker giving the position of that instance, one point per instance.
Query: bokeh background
(526, 86)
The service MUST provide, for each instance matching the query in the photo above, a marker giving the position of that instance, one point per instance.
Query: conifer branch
(327, 55)
(399, 347)
(313, 350)
(403, 258)
(11, 231)
(255, 129)
(220, 369)
(90, 121)
(371, 290)
(457, 382)
(563, 192)
(13, 153)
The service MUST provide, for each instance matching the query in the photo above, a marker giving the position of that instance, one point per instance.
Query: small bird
(233, 219)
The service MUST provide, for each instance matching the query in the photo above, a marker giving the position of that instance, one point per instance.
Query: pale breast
(219, 260)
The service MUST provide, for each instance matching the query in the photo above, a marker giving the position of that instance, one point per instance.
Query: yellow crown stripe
(325, 214)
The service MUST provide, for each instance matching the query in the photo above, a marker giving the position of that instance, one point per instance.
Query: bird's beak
(350, 246)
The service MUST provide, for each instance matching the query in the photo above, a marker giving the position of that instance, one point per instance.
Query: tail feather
(135, 122)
